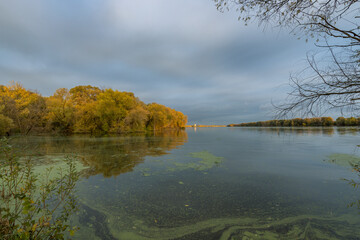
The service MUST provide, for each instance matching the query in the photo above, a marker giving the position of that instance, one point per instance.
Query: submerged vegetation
(207, 162)
(153, 186)
(303, 122)
(35, 206)
(353, 162)
(82, 109)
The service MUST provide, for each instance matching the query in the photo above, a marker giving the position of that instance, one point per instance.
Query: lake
(212, 183)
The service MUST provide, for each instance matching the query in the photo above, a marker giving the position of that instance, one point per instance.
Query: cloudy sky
(180, 53)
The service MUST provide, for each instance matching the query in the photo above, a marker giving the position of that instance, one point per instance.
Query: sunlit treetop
(82, 109)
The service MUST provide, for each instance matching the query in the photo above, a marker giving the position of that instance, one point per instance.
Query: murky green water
(213, 183)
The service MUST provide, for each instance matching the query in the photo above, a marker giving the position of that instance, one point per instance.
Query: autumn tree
(113, 107)
(6, 123)
(340, 121)
(165, 117)
(83, 99)
(82, 109)
(327, 121)
(158, 116)
(179, 120)
(303, 122)
(137, 118)
(24, 107)
(60, 111)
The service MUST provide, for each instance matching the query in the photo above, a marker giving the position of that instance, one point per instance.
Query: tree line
(303, 122)
(82, 109)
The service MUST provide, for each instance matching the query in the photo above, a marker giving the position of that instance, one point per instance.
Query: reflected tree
(119, 156)
(109, 156)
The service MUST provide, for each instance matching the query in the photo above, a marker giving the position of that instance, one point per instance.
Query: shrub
(34, 206)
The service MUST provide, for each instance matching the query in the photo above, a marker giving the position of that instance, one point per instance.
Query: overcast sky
(180, 53)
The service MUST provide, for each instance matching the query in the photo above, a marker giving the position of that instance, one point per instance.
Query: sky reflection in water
(215, 183)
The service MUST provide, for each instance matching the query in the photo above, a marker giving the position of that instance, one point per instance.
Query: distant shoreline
(195, 126)
(238, 126)
(302, 122)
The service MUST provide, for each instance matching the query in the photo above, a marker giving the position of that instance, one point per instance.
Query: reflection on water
(215, 183)
(109, 156)
(306, 130)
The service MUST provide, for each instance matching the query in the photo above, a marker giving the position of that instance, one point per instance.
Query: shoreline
(193, 126)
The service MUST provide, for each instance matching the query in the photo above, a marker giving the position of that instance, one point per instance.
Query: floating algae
(95, 222)
(298, 227)
(123, 223)
(200, 161)
(344, 160)
(50, 171)
(207, 162)
(60, 166)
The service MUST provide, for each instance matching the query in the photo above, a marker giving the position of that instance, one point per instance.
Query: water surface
(213, 183)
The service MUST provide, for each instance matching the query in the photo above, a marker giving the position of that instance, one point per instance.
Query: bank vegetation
(82, 109)
(303, 122)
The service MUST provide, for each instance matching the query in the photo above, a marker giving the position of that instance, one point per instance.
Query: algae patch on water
(344, 160)
(207, 161)
(297, 227)
(200, 161)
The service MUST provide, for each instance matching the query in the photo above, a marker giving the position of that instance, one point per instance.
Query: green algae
(297, 227)
(52, 168)
(344, 160)
(207, 161)
(130, 218)
(85, 232)
(124, 224)
(199, 161)
(56, 168)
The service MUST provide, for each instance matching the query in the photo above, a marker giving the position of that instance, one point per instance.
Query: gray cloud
(184, 54)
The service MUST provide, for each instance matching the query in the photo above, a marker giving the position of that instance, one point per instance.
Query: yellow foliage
(86, 109)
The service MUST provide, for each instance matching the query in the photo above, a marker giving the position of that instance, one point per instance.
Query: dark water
(213, 183)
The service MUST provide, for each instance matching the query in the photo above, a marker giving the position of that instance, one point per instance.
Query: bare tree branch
(322, 86)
